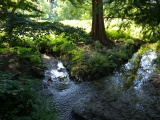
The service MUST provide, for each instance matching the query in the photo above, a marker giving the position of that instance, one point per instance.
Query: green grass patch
(119, 35)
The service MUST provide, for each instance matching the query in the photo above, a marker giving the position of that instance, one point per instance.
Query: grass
(109, 25)
(85, 24)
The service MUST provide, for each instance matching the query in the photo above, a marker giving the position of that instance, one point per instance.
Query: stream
(126, 87)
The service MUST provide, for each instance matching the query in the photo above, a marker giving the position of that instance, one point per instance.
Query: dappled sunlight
(101, 57)
(113, 24)
(85, 24)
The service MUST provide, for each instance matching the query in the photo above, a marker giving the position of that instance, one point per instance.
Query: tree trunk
(98, 29)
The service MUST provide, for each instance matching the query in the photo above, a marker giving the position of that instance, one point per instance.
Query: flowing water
(65, 92)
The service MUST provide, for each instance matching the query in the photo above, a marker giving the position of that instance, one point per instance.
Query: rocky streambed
(131, 93)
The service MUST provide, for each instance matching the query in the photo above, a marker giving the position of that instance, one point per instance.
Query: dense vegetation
(20, 70)
(23, 40)
(80, 55)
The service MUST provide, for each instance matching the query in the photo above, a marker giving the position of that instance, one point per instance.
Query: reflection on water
(132, 74)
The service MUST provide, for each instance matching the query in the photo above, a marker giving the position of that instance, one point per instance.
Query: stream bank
(130, 93)
(126, 105)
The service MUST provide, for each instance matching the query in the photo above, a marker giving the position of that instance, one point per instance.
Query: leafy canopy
(143, 12)
(13, 6)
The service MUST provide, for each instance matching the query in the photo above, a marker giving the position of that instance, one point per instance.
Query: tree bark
(98, 29)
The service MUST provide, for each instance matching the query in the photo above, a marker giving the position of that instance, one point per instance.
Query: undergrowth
(20, 100)
(73, 46)
(20, 96)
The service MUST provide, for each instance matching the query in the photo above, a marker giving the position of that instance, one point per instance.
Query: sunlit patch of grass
(132, 28)
(85, 24)
(112, 25)
(2, 34)
(146, 47)
(120, 36)
(154, 46)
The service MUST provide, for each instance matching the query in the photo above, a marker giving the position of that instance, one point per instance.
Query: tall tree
(98, 28)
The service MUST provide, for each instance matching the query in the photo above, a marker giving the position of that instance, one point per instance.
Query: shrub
(84, 66)
(20, 100)
(62, 45)
(98, 63)
(77, 64)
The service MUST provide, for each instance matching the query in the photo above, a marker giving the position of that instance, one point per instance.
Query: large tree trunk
(98, 29)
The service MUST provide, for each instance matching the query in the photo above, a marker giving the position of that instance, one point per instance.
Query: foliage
(74, 34)
(19, 31)
(144, 13)
(144, 48)
(62, 46)
(68, 43)
(27, 54)
(45, 6)
(20, 95)
(118, 34)
(20, 100)
(13, 6)
(68, 11)
(98, 64)
(84, 64)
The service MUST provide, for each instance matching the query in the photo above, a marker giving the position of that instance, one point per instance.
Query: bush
(20, 95)
(84, 65)
(20, 100)
(61, 45)
(77, 64)
(98, 63)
